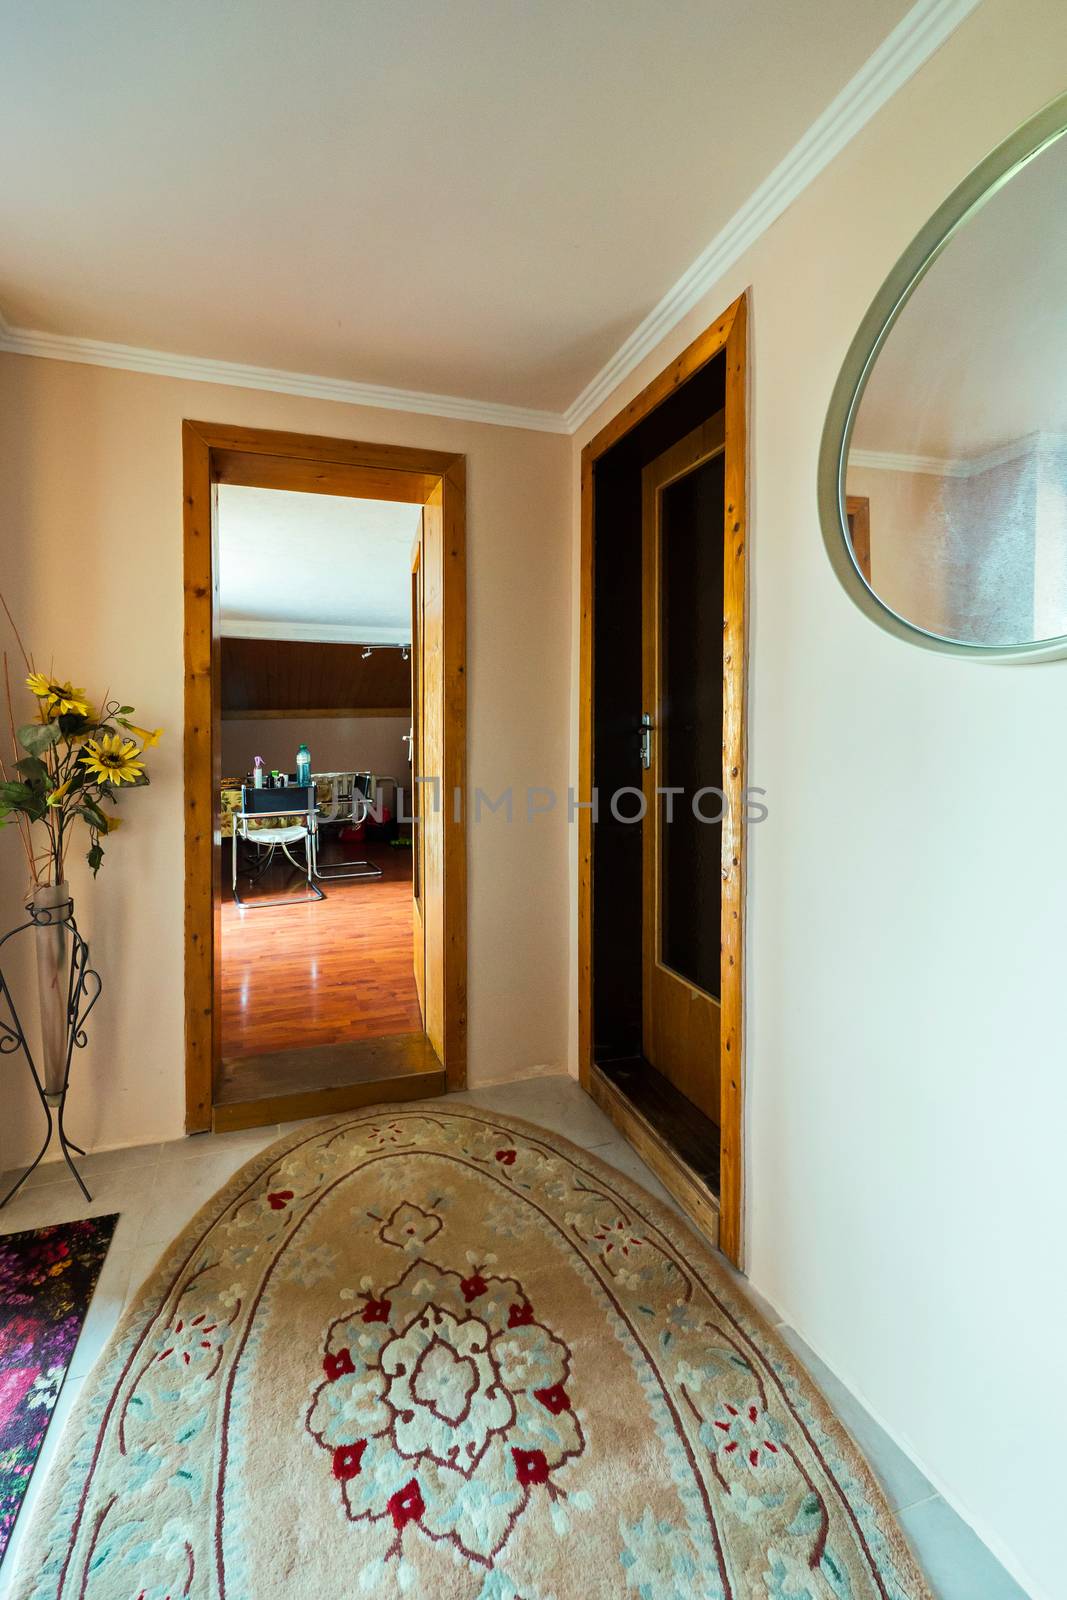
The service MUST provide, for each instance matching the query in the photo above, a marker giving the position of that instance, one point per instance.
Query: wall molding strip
(236, 374)
(1030, 444)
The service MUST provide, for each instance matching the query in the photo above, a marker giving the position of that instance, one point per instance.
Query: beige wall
(337, 744)
(90, 468)
(906, 1092)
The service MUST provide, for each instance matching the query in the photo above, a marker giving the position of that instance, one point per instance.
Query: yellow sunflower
(60, 699)
(58, 794)
(112, 759)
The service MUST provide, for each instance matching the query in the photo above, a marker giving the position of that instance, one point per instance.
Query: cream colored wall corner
(906, 1096)
(90, 467)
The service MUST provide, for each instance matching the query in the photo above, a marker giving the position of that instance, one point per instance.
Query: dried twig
(15, 631)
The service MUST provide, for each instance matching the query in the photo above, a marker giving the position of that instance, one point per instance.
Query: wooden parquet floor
(321, 973)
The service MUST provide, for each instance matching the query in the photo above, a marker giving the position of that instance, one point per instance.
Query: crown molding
(236, 374)
(895, 461)
(1029, 444)
(314, 632)
(915, 38)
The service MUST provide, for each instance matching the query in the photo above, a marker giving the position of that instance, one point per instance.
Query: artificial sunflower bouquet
(70, 763)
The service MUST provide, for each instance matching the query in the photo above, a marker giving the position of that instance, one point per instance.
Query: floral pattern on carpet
(453, 1379)
(437, 1352)
(47, 1278)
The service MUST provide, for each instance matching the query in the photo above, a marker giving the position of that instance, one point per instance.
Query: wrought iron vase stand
(83, 991)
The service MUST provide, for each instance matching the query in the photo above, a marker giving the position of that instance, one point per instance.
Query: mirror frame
(990, 176)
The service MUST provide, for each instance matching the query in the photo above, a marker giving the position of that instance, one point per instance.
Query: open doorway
(324, 650)
(315, 674)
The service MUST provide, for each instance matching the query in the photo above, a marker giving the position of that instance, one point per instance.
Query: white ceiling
(978, 359)
(314, 566)
(474, 199)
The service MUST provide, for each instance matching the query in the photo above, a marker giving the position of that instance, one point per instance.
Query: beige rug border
(682, 1235)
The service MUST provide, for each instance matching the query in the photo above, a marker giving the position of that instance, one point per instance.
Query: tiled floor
(157, 1188)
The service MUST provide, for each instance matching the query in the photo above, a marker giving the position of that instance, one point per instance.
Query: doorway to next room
(315, 665)
(325, 645)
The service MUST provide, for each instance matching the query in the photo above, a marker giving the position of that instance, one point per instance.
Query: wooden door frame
(214, 453)
(727, 335)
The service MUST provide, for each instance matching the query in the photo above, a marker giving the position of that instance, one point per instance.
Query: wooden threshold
(254, 1091)
(693, 1194)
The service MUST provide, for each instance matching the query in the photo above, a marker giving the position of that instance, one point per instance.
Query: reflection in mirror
(956, 479)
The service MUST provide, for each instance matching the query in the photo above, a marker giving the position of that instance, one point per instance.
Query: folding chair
(354, 790)
(283, 807)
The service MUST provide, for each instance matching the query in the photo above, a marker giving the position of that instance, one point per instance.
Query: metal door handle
(646, 739)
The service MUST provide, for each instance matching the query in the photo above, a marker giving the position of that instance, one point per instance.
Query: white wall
(91, 508)
(906, 1089)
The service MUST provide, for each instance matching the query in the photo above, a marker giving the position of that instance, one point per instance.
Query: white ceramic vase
(53, 946)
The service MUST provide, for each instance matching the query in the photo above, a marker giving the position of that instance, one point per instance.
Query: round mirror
(943, 477)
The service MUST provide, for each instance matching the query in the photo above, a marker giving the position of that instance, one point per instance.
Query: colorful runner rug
(47, 1278)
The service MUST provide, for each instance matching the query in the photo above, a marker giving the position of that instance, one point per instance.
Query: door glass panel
(690, 722)
(415, 742)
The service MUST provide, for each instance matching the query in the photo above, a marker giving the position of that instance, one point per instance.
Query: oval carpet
(441, 1353)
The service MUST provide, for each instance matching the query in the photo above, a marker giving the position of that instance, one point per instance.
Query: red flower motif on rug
(530, 1466)
(473, 1286)
(554, 1399)
(339, 1365)
(744, 1433)
(447, 1400)
(406, 1505)
(347, 1459)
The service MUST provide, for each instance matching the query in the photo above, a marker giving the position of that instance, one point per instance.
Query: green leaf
(92, 814)
(16, 794)
(20, 797)
(36, 737)
(33, 767)
(94, 857)
(124, 711)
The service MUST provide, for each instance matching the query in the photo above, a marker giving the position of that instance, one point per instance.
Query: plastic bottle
(303, 766)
